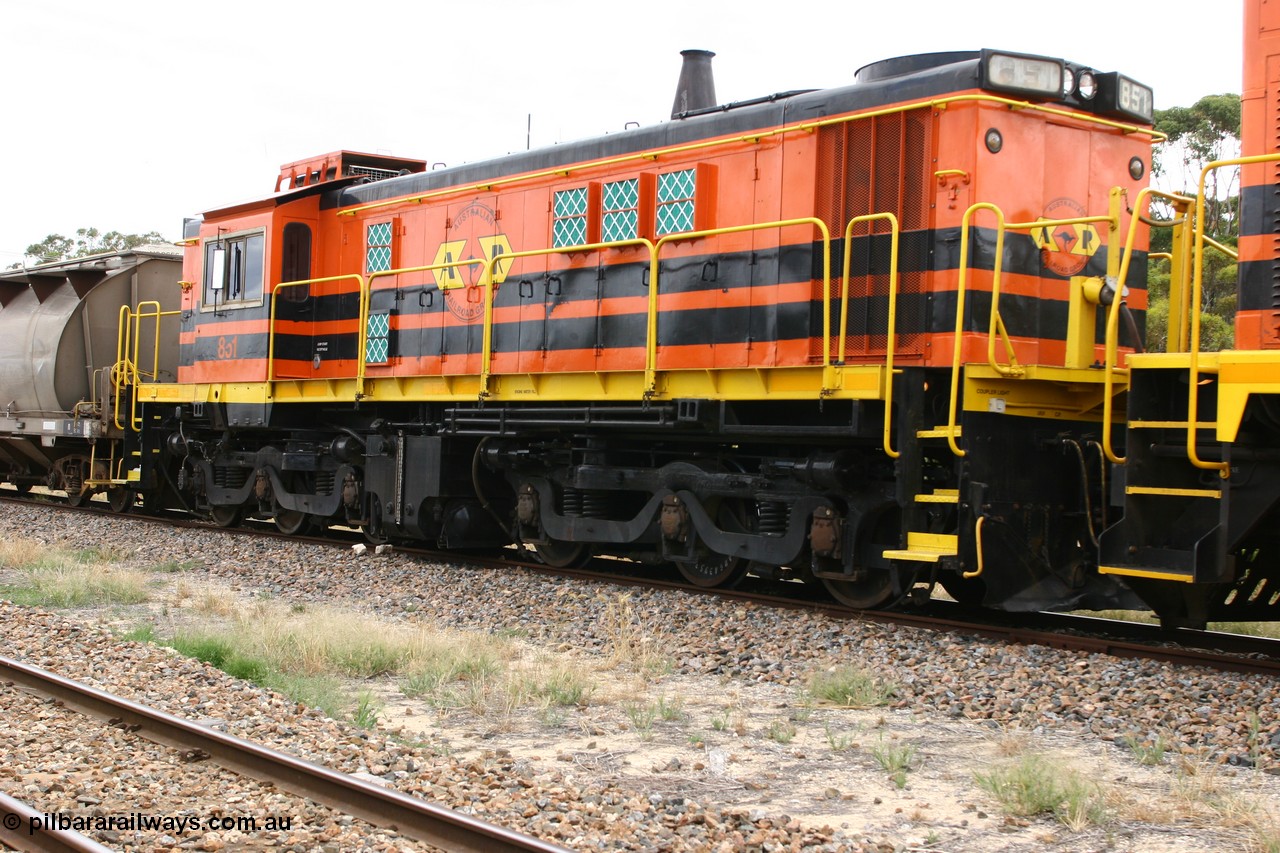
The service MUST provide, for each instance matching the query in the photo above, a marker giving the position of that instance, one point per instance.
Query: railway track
(23, 828)
(1090, 635)
(409, 816)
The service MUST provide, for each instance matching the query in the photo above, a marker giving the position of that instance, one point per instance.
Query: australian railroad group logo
(1065, 249)
(473, 238)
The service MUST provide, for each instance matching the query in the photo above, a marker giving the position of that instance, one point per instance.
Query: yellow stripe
(1174, 493)
(941, 432)
(940, 496)
(1170, 425)
(1145, 573)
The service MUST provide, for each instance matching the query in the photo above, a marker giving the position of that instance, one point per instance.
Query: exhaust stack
(697, 88)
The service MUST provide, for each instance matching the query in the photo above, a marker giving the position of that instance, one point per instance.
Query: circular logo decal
(1065, 249)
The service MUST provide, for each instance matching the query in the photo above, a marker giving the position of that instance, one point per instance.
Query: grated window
(569, 218)
(378, 247)
(621, 210)
(676, 193)
(377, 338)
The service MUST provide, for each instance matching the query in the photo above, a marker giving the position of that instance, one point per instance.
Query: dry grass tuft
(54, 576)
(630, 644)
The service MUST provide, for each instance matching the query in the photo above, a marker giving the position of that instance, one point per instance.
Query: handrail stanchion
(1197, 284)
(271, 316)
(891, 341)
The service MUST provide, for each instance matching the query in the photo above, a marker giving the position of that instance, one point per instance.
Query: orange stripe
(209, 329)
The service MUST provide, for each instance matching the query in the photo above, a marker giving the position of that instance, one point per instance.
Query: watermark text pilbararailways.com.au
(178, 824)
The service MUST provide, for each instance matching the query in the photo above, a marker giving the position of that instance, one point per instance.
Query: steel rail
(22, 828)
(1183, 646)
(407, 815)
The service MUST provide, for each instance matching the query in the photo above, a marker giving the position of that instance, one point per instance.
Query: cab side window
(233, 268)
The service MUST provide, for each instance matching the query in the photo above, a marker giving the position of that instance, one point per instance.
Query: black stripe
(1259, 285)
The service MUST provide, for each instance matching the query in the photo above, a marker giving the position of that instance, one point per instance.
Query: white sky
(129, 115)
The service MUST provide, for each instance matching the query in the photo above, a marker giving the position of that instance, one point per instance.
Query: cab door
(295, 306)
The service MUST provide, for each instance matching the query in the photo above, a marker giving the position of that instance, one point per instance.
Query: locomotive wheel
(710, 569)
(560, 555)
(875, 587)
(290, 522)
(373, 531)
(121, 500)
(226, 516)
(713, 570)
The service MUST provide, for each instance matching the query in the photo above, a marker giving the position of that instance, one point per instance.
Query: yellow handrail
(1111, 344)
(755, 226)
(997, 323)
(995, 326)
(891, 341)
(155, 313)
(486, 357)
(124, 334)
(753, 137)
(271, 320)
(961, 285)
(139, 316)
(1197, 284)
(125, 371)
(364, 320)
(977, 544)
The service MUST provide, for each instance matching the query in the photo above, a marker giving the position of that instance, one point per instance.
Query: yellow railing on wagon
(126, 373)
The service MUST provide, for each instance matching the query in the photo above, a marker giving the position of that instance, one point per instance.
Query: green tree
(1206, 131)
(88, 241)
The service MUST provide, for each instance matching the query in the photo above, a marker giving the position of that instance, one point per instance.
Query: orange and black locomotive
(878, 337)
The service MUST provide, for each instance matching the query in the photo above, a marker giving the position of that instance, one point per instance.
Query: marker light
(1087, 86)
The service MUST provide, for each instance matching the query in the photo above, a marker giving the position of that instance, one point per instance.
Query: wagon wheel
(290, 522)
(876, 579)
(711, 569)
(227, 516)
(79, 498)
(121, 499)
(559, 554)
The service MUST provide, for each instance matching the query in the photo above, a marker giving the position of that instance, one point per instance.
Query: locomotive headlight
(1068, 82)
(1137, 168)
(1020, 74)
(1087, 86)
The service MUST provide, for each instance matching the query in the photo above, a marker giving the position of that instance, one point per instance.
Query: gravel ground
(593, 781)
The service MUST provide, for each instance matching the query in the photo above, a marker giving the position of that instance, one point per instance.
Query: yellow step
(940, 432)
(926, 548)
(1170, 424)
(1154, 574)
(940, 496)
(1216, 494)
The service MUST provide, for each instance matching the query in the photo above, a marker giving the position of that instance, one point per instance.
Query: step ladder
(931, 547)
(1171, 495)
